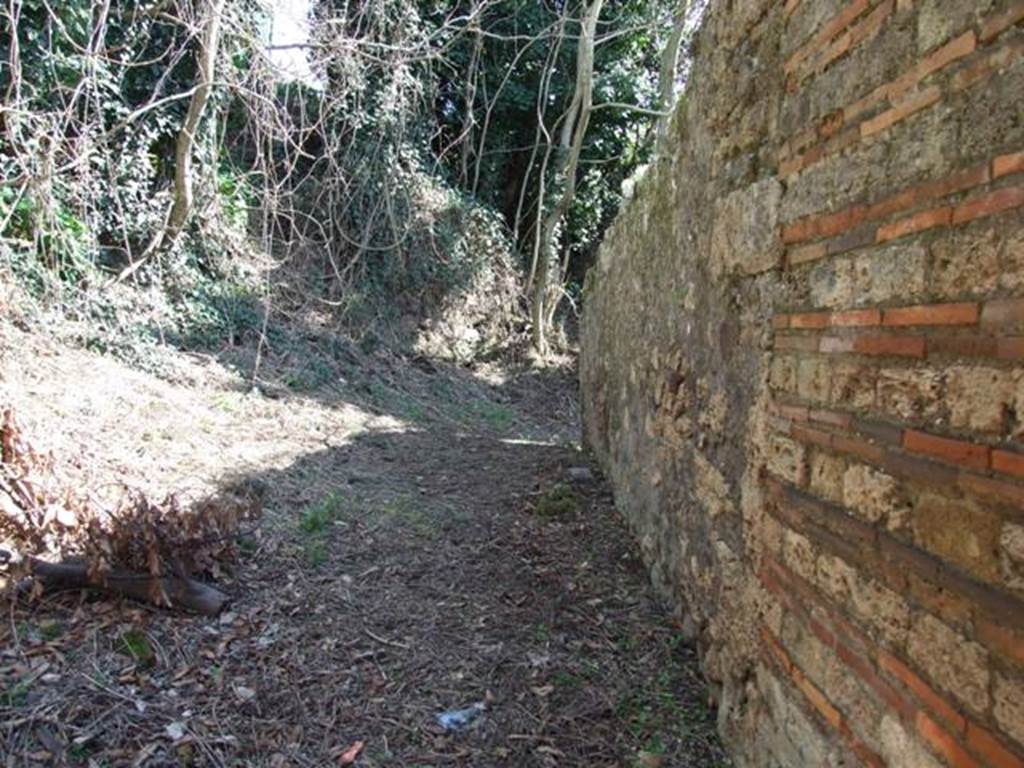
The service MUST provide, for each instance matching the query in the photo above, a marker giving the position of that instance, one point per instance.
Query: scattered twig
(385, 641)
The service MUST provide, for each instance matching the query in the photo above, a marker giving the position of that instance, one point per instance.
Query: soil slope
(432, 539)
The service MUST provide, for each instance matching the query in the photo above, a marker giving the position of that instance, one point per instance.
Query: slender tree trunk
(574, 130)
(541, 130)
(469, 121)
(181, 208)
(668, 70)
(207, 58)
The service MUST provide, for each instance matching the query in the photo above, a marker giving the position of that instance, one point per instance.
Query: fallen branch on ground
(180, 592)
(54, 533)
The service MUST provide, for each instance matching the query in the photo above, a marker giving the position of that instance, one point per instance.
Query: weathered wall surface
(803, 371)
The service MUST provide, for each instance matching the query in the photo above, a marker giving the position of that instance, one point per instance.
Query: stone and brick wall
(803, 372)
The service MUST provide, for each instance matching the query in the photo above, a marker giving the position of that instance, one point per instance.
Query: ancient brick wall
(803, 372)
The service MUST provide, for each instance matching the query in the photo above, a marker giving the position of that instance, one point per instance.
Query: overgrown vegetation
(439, 180)
(161, 182)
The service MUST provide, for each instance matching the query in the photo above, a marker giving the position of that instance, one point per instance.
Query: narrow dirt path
(406, 566)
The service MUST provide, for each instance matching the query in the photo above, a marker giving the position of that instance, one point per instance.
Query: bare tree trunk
(183, 194)
(541, 130)
(667, 72)
(469, 120)
(574, 130)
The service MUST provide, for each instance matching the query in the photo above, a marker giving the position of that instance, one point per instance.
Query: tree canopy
(144, 135)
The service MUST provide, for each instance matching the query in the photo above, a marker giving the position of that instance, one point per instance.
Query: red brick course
(941, 57)
(932, 314)
(842, 420)
(1004, 165)
(996, 312)
(857, 447)
(857, 317)
(1010, 463)
(1010, 348)
(902, 346)
(1000, 312)
(892, 665)
(985, 66)
(809, 320)
(944, 743)
(919, 222)
(990, 204)
(984, 743)
(948, 450)
(948, 730)
(899, 93)
(912, 104)
(962, 346)
(1008, 642)
(826, 226)
(998, 23)
(868, 439)
(829, 31)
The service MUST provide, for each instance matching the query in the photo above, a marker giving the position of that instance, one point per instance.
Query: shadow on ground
(450, 560)
(421, 571)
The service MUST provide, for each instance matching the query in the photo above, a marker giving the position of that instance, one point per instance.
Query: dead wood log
(182, 592)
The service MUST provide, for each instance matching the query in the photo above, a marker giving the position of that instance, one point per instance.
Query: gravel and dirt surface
(432, 540)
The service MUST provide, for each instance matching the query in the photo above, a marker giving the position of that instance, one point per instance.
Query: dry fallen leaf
(245, 694)
(649, 759)
(348, 757)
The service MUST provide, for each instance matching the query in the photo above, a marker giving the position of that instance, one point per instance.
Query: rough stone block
(875, 496)
(834, 577)
(833, 283)
(881, 608)
(893, 274)
(900, 748)
(965, 262)
(813, 381)
(910, 394)
(960, 531)
(712, 488)
(785, 458)
(1008, 705)
(853, 385)
(782, 376)
(979, 398)
(956, 664)
(941, 20)
(745, 238)
(1011, 257)
(826, 476)
(1011, 555)
(799, 554)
